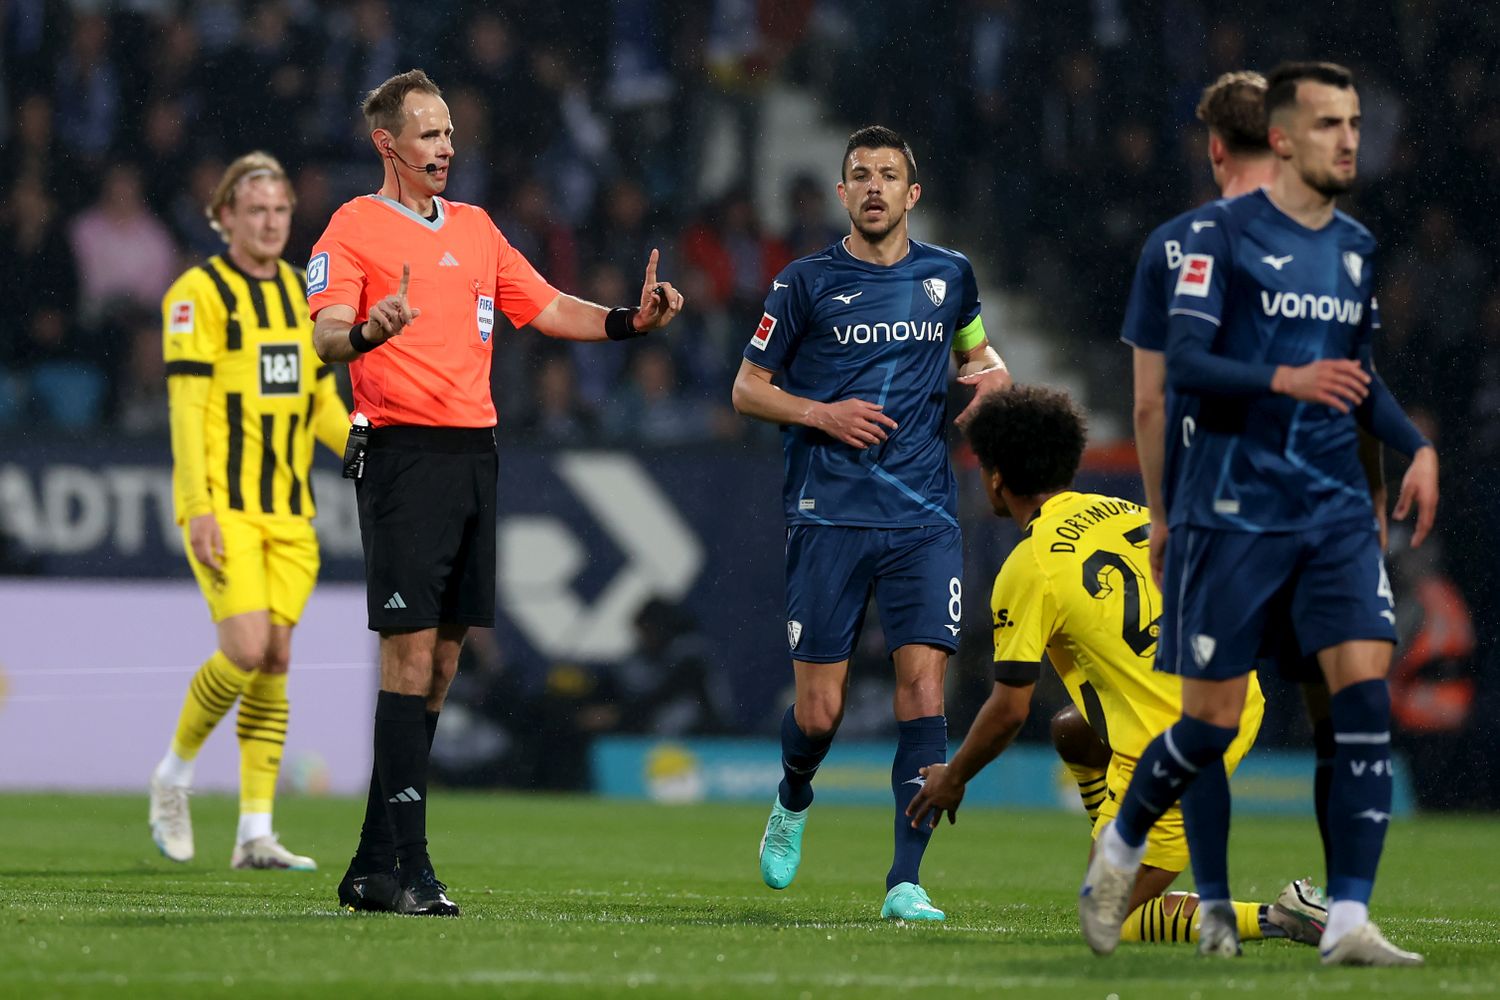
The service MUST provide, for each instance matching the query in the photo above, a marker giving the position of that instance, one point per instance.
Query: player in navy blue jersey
(861, 333)
(1270, 328)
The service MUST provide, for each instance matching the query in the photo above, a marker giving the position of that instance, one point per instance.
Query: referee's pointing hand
(660, 302)
(392, 314)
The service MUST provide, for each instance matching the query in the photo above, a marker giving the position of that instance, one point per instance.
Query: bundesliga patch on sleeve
(317, 273)
(180, 317)
(763, 332)
(1193, 279)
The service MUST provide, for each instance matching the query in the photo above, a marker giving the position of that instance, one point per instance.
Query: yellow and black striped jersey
(247, 392)
(1078, 588)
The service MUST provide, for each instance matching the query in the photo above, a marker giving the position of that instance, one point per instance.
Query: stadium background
(640, 567)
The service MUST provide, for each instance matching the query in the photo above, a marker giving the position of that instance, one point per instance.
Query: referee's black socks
(377, 842)
(401, 743)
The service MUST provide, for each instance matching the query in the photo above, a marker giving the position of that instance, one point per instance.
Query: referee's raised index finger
(405, 279)
(651, 267)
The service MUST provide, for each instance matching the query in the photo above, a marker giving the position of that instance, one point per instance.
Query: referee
(404, 286)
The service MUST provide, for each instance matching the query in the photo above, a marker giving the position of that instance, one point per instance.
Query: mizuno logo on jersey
(1290, 305)
(1197, 271)
(776, 286)
(847, 297)
(1277, 262)
(880, 333)
(1203, 224)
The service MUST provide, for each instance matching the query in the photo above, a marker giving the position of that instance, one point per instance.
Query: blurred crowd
(1052, 137)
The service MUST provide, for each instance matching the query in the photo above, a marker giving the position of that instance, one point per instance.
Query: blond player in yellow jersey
(1077, 589)
(248, 397)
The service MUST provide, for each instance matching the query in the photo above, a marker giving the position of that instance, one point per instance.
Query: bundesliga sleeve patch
(762, 336)
(1193, 279)
(317, 273)
(180, 317)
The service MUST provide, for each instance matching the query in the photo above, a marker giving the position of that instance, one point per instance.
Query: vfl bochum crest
(936, 288)
(793, 633)
(1355, 265)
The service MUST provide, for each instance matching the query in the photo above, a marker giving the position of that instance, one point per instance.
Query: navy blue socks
(1165, 771)
(1359, 799)
(1205, 817)
(800, 757)
(1324, 749)
(923, 742)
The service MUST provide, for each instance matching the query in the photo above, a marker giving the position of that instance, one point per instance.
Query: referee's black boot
(369, 892)
(422, 895)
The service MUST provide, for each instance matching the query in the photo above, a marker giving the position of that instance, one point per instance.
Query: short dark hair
(879, 137)
(1281, 87)
(1234, 109)
(1033, 436)
(383, 105)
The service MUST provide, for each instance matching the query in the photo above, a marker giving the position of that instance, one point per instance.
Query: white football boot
(171, 822)
(267, 852)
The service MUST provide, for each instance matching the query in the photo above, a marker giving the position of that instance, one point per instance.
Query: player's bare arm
(387, 318)
(568, 317)
(982, 368)
(1149, 417)
(858, 423)
(996, 725)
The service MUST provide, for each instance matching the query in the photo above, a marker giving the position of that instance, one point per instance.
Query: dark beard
(1328, 187)
(876, 235)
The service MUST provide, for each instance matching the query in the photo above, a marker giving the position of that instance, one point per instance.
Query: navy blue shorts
(1230, 596)
(916, 575)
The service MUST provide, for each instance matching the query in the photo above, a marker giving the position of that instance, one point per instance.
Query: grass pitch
(574, 897)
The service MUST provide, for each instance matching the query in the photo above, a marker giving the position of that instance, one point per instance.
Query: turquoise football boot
(909, 901)
(781, 845)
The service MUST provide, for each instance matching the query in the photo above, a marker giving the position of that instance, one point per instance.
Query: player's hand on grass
(1158, 549)
(1419, 487)
(207, 541)
(939, 794)
(392, 314)
(856, 422)
(660, 302)
(985, 377)
(1341, 383)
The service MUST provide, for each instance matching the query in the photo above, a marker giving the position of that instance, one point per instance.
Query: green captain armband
(970, 337)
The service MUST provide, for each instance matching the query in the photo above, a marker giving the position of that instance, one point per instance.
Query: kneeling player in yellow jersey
(247, 397)
(1077, 589)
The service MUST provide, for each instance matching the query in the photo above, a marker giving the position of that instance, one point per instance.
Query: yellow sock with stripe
(262, 730)
(1174, 917)
(211, 693)
(1093, 785)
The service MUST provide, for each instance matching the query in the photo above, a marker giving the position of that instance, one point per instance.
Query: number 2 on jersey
(1095, 580)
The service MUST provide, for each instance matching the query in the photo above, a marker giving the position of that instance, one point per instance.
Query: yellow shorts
(1166, 844)
(270, 564)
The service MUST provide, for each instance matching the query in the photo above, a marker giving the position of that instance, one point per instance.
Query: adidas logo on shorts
(395, 603)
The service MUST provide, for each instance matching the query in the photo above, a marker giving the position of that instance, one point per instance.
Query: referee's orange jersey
(437, 372)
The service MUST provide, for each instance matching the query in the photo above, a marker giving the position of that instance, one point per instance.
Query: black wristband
(619, 323)
(357, 340)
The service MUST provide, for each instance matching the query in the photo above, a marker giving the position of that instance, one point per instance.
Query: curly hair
(1033, 436)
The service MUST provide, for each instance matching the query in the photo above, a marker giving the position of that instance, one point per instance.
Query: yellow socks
(213, 690)
(1174, 917)
(1093, 785)
(262, 730)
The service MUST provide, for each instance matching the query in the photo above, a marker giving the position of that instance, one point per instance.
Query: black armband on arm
(357, 339)
(619, 323)
(1017, 673)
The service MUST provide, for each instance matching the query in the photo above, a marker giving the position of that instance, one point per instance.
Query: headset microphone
(431, 168)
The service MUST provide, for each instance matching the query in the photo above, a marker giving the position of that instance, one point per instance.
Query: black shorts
(427, 520)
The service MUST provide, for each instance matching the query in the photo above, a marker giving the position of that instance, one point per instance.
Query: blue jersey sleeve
(1380, 413)
(1145, 323)
(1197, 312)
(783, 322)
(969, 303)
